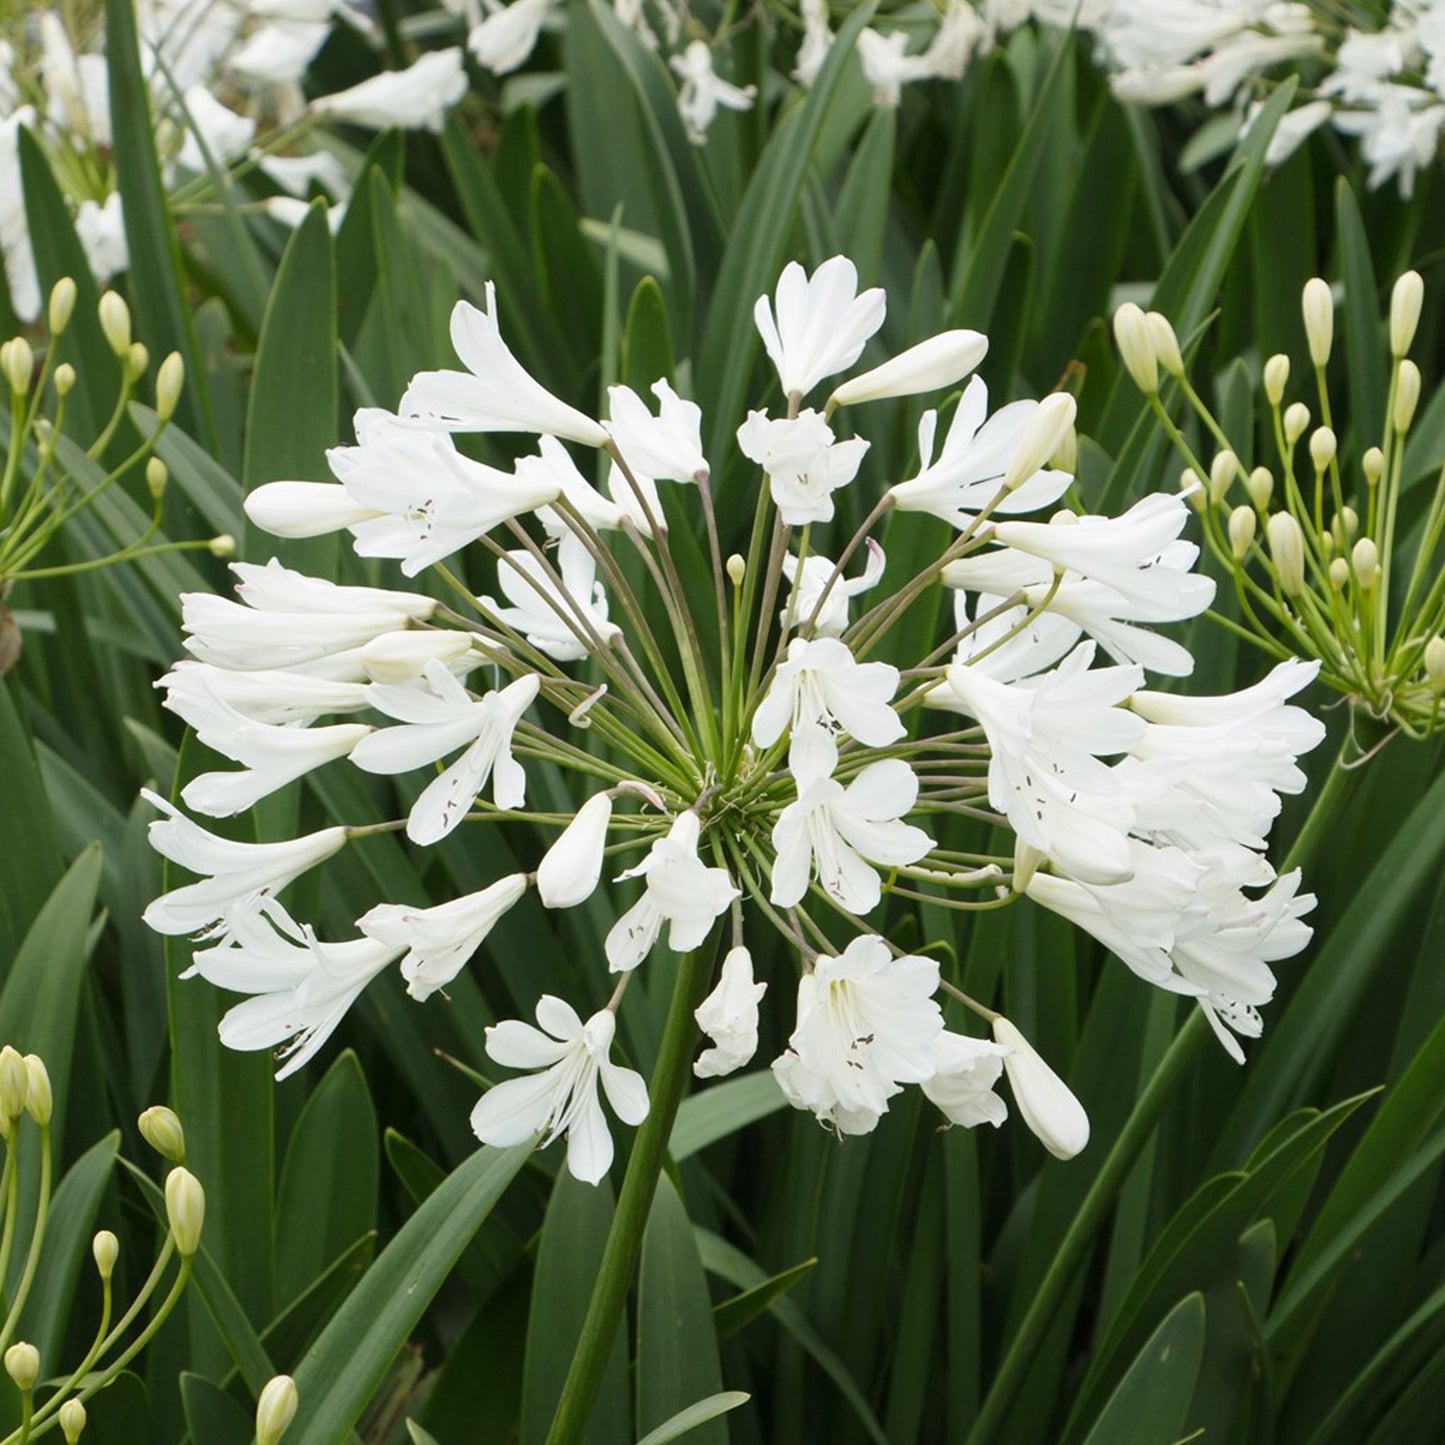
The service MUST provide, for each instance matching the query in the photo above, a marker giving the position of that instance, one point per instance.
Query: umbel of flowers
(765, 771)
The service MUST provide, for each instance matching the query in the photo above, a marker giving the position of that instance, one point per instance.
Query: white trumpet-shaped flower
(818, 325)
(666, 447)
(703, 91)
(821, 599)
(562, 1098)
(416, 98)
(803, 462)
(729, 1017)
(965, 1071)
(504, 39)
(565, 622)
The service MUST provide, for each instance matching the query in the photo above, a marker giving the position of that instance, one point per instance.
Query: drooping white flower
(571, 868)
(1048, 1106)
(416, 98)
(100, 229)
(703, 90)
(555, 462)
(495, 393)
(866, 1026)
(817, 42)
(839, 832)
(666, 447)
(820, 691)
(508, 35)
(976, 457)
(278, 54)
(263, 696)
(803, 462)
(20, 273)
(403, 656)
(77, 87)
(965, 1071)
(729, 1017)
(820, 599)
(938, 362)
(559, 621)
(961, 32)
(435, 721)
(821, 323)
(235, 877)
(212, 129)
(682, 891)
(439, 941)
(886, 65)
(562, 1099)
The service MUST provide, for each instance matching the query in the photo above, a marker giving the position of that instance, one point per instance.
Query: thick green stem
(1074, 1248)
(624, 1240)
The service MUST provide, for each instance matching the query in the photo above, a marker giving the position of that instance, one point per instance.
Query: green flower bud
(1373, 465)
(72, 1420)
(115, 322)
(156, 478)
(1319, 313)
(19, 362)
(105, 1249)
(1366, 559)
(1194, 489)
(185, 1210)
(62, 304)
(1136, 345)
(161, 1129)
(1276, 378)
(1260, 486)
(137, 358)
(1296, 421)
(1322, 447)
(64, 379)
(14, 1083)
(1345, 525)
(222, 546)
(1242, 525)
(1407, 395)
(1222, 472)
(1066, 455)
(1435, 663)
(22, 1364)
(1339, 574)
(275, 1409)
(39, 1100)
(1287, 549)
(169, 380)
(1166, 343)
(1405, 302)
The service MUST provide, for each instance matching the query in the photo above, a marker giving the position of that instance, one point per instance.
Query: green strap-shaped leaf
(343, 1368)
(213, 1418)
(32, 861)
(687, 1421)
(723, 1109)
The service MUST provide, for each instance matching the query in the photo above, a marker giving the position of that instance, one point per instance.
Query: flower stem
(624, 1239)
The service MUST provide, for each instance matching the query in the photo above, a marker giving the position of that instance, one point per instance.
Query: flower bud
(572, 866)
(1287, 549)
(304, 509)
(275, 1409)
(22, 1364)
(1296, 421)
(19, 362)
(14, 1083)
(64, 379)
(1051, 421)
(1276, 378)
(1136, 345)
(1241, 531)
(1435, 663)
(1345, 525)
(169, 380)
(1327, 543)
(1066, 456)
(1407, 395)
(156, 478)
(1322, 447)
(737, 569)
(1319, 313)
(1366, 559)
(115, 322)
(401, 657)
(185, 1210)
(72, 1420)
(62, 304)
(39, 1100)
(1166, 343)
(105, 1248)
(1373, 465)
(222, 546)
(1405, 302)
(1222, 472)
(1339, 574)
(930, 366)
(1045, 1101)
(161, 1129)
(1026, 864)
(1260, 486)
(136, 361)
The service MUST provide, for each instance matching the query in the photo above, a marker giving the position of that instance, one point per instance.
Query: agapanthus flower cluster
(785, 760)
(1324, 566)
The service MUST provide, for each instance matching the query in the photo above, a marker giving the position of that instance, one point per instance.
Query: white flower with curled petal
(803, 462)
(439, 941)
(702, 90)
(965, 1071)
(817, 42)
(555, 462)
(821, 324)
(508, 35)
(886, 65)
(560, 621)
(729, 1017)
(867, 1024)
(666, 447)
(562, 1098)
(436, 720)
(976, 456)
(820, 691)
(682, 891)
(495, 393)
(840, 831)
(815, 591)
(416, 98)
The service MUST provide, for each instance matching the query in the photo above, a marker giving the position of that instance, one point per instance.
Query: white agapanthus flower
(562, 1098)
(819, 599)
(1048, 1106)
(666, 447)
(703, 91)
(572, 867)
(507, 36)
(965, 1072)
(805, 465)
(887, 66)
(551, 616)
(815, 326)
(729, 1017)
(416, 98)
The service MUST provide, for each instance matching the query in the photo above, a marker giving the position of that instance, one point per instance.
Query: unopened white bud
(1136, 345)
(1407, 395)
(1373, 465)
(156, 478)
(1345, 524)
(1194, 489)
(1260, 486)
(1296, 421)
(1222, 472)
(1322, 447)
(737, 569)
(1405, 303)
(1052, 418)
(1287, 549)
(62, 304)
(19, 362)
(1066, 455)
(1047, 1104)
(304, 509)
(185, 1210)
(169, 380)
(39, 1100)
(115, 322)
(572, 866)
(161, 1128)
(401, 657)
(1435, 663)
(64, 379)
(222, 546)
(1339, 574)
(1276, 378)
(136, 361)
(930, 366)
(1166, 343)
(22, 1364)
(1327, 543)
(72, 1421)
(1318, 306)
(105, 1249)
(1242, 524)
(1366, 559)
(14, 1083)
(275, 1409)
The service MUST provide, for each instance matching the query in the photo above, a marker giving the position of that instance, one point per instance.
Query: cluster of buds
(1323, 565)
(25, 1092)
(49, 477)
